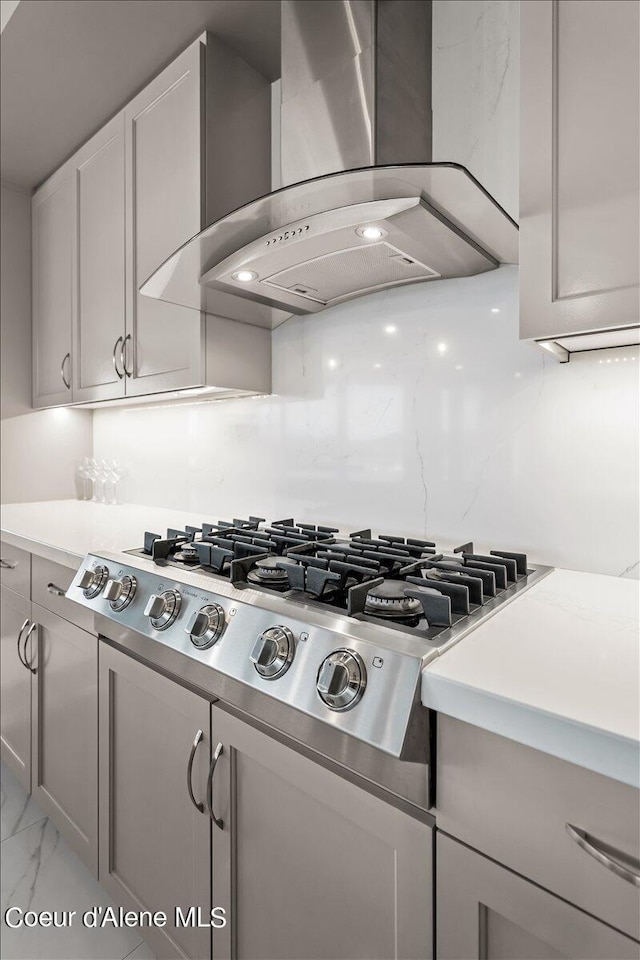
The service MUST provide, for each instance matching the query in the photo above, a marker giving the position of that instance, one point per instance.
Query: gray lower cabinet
(15, 685)
(308, 865)
(65, 729)
(154, 842)
(486, 911)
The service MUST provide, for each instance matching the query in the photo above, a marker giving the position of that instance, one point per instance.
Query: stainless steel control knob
(205, 626)
(120, 593)
(273, 652)
(92, 581)
(163, 608)
(342, 678)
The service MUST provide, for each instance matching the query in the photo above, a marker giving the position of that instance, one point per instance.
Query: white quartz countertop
(66, 530)
(557, 669)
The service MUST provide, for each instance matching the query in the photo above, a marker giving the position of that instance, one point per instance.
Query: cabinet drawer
(15, 569)
(513, 803)
(48, 580)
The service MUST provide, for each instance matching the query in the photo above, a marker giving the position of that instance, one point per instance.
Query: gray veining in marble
(418, 411)
(17, 809)
(40, 871)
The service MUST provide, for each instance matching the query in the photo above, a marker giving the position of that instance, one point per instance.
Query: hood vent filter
(349, 272)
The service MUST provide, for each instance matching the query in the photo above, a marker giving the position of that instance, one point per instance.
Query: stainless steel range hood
(362, 207)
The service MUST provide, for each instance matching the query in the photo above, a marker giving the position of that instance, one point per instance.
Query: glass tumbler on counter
(98, 480)
(113, 476)
(83, 479)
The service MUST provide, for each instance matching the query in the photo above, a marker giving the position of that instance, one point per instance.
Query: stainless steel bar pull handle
(217, 820)
(194, 746)
(123, 356)
(27, 663)
(115, 361)
(620, 863)
(19, 638)
(8, 564)
(66, 382)
(56, 590)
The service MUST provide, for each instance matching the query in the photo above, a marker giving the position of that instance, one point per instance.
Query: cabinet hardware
(19, 638)
(8, 564)
(123, 356)
(66, 382)
(115, 361)
(28, 664)
(624, 866)
(198, 737)
(56, 590)
(217, 820)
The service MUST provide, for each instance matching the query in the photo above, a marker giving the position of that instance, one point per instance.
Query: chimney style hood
(362, 207)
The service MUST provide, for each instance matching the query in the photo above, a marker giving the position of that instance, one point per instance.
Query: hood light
(244, 276)
(371, 232)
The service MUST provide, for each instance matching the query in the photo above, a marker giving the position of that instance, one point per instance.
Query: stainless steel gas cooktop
(335, 627)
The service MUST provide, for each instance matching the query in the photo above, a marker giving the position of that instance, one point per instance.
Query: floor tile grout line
(134, 950)
(22, 829)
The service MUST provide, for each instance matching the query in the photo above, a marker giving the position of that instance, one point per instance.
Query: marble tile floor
(39, 871)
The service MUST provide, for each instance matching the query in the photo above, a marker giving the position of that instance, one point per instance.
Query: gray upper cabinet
(99, 262)
(488, 913)
(53, 216)
(308, 865)
(193, 143)
(165, 200)
(579, 169)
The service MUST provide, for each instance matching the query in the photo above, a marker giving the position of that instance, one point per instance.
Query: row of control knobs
(205, 626)
(342, 676)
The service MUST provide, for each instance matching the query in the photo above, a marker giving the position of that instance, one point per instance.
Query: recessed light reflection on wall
(390, 328)
(377, 366)
(332, 363)
(442, 348)
(495, 309)
(459, 366)
(618, 359)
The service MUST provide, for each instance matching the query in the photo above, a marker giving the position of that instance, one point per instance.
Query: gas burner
(389, 601)
(267, 573)
(187, 554)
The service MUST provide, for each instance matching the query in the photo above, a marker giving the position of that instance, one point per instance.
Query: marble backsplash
(417, 411)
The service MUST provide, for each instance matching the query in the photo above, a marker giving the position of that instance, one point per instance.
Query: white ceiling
(68, 65)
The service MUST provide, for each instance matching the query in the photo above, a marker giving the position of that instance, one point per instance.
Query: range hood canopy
(362, 207)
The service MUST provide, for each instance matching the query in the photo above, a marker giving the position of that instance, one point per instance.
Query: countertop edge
(594, 749)
(47, 551)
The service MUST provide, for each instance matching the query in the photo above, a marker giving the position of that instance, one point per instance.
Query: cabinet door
(155, 849)
(579, 166)
(164, 172)
(65, 730)
(15, 687)
(52, 238)
(99, 328)
(485, 911)
(307, 864)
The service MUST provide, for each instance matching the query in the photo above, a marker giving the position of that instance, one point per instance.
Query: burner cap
(186, 554)
(266, 571)
(388, 600)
